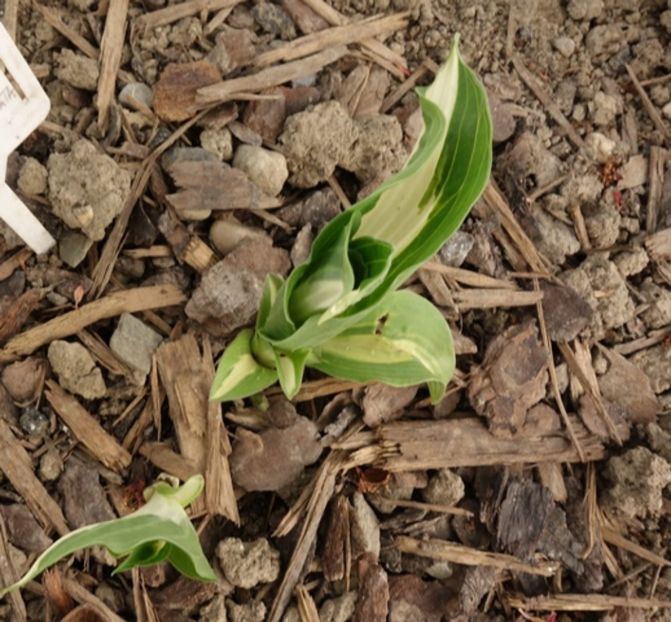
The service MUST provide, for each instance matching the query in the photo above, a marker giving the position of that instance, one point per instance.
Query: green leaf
(290, 367)
(158, 531)
(404, 342)
(239, 374)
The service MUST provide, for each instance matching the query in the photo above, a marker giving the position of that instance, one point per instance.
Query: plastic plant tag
(23, 106)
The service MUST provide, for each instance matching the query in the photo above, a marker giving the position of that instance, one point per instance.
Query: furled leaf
(404, 342)
(160, 530)
(239, 373)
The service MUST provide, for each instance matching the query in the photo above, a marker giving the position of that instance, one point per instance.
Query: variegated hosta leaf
(404, 342)
(368, 251)
(159, 531)
(239, 373)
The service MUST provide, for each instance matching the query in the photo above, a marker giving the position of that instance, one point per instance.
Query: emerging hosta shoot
(340, 311)
(159, 531)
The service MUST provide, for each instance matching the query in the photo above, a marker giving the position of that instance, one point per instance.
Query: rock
(87, 189)
(23, 379)
(601, 146)
(400, 486)
(227, 233)
(656, 363)
(634, 173)
(365, 528)
(274, 20)
(51, 465)
(613, 306)
(267, 169)
(134, 343)
(339, 609)
(230, 291)
(34, 422)
(631, 262)
(175, 92)
(253, 611)
(637, 479)
(32, 178)
(214, 611)
(640, 406)
(511, 380)
(503, 121)
(378, 149)
(219, 142)
(666, 110)
(76, 369)
(23, 530)
(73, 247)
(372, 603)
(246, 564)
(606, 39)
(77, 70)
(315, 141)
(554, 239)
(478, 582)
(445, 487)
(564, 45)
(585, 9)
(274, 458)
(605, 109)
(316, 210)
(300, 250)
(603, 225)
(84, 500)
(566, 313)
(659, 440)
(136, 92)
(382, 403)
(529, 159)
(658, 313)
(411, 599)
(455, 250)
(233, 47)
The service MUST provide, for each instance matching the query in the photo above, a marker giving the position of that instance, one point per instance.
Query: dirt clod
(246, 564)
(76, 369)
(267, 169)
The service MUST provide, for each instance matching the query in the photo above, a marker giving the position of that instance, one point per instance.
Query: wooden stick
(653, 113)
(110, 56)
(583, 602)
(338, 35)
(495, 298)
(15, 463)
(86, 429)
(409, 83)
(273, 76)
(83, 596)
(459, 554)
(548, 101)
(126, 301)
(656, 176)
(179, 11)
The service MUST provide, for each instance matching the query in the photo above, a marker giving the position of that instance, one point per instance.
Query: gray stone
(227, 233)
(564, 45)
(585, 9)
(73, 247)
(77, 70)
(76, 369)
(554, 239)
(444, 488)
(455, 250)
(365, 527)
(87, 189)
(656, 363)
(32, 177)
(246, 564)
(134, 93)
(134, 343)
(84, 499)
(267, 169)
(23, 530)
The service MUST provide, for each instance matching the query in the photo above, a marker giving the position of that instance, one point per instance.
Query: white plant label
(23, 106)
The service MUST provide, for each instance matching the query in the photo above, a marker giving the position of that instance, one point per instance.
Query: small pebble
(34, 422)
(32, 177)
(666, 111)
(226, 234)
(51, 465)
(564, 45)
(267, 169)
(218, 141)
(135, 92)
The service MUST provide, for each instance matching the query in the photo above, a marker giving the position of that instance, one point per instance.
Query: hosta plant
(159, 531)
(341, 312)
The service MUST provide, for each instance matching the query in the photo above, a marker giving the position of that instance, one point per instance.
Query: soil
(538, 489)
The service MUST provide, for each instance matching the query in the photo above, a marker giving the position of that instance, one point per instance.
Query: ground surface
(538, 489)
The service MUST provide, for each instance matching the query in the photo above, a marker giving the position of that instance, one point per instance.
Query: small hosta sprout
(159, 531)
(341, 312)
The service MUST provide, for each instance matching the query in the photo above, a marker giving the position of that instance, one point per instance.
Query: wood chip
(188, 247)
(658, 157)
(169, 461)
(659, 245)
(178, 11)
(125, 301)
(459, 554)
(16, 464)
(273, 76)
(176, 89)
(110, 57)
(338, 35)
(9, 575)
(86, 429)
